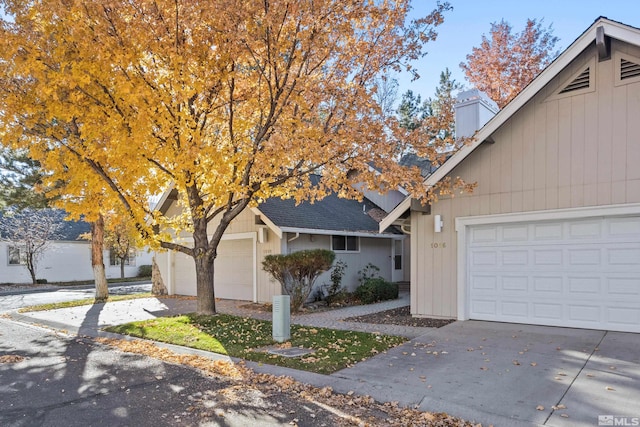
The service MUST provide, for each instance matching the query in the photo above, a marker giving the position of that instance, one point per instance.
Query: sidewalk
(89, 319)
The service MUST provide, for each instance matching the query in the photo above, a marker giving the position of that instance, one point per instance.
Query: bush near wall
(376, 289)
(298, 271)
(144, 271)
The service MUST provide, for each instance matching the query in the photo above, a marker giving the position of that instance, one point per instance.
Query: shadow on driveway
(508, 374)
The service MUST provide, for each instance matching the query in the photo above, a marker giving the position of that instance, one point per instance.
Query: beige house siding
(242, 224)
(555, 152)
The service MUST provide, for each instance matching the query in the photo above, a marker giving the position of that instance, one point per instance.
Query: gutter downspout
(294, 237)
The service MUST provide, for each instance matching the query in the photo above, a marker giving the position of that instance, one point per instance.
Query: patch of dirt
(400, 316)
(258, 307)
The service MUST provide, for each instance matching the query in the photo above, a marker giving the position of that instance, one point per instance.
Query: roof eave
(270, 224)
(341, 232)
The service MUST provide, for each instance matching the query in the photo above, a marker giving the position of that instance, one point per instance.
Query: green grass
(77, 303)
(91, 282)
(244, 338)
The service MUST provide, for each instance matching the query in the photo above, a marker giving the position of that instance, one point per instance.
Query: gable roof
(69, 230)
(331, 215)
(609, 28)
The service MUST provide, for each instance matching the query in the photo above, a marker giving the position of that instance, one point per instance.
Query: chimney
(473, 109)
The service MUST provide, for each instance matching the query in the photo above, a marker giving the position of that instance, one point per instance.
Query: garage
(581, 273)
(234, 271)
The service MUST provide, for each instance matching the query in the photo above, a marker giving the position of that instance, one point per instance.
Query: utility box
(281, 318)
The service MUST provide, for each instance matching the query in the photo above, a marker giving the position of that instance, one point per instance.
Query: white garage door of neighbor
(577, 273)
(233, 271)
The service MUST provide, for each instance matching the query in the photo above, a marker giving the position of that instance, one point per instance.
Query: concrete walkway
(491, 373)
(148, 308)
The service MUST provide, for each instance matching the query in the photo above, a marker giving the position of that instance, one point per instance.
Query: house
(348, 227)
(551, 234)
(66, 258)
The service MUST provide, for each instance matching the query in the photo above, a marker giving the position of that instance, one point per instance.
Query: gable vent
(580, 82)
(628, 69)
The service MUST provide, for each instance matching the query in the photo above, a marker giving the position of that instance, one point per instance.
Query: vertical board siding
(572, 151)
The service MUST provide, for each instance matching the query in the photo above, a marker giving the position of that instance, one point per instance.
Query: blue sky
(464, 25)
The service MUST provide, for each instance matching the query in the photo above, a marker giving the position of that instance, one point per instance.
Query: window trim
(130, 261)
(346, 250)
(22, 261)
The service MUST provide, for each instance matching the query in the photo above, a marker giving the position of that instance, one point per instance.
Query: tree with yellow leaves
(505, 63)
(230, 101)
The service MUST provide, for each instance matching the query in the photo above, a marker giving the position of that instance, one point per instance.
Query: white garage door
(579, 273)
(233, 271)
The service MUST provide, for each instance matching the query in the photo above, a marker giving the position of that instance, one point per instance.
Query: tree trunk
(97, 262)
(157, 284)
(32, 268)
(204, 282)
(122, 268)
(204, 269)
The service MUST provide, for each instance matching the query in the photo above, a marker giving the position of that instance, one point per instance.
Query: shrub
(144, 271)
(334, 289)
(376, 289)
(41, 281)
(297, 272)
(370, 271)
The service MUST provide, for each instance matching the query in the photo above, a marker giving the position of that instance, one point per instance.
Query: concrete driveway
(507, 374)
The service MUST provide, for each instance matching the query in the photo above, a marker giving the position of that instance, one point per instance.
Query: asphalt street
(50, 379)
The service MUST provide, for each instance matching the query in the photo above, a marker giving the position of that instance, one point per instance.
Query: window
(130, 259)
(345, 243)
(16, 257)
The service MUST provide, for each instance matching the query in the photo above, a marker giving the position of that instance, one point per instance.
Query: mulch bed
(400, 316)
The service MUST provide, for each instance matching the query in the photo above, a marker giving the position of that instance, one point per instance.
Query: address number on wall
(438, 245)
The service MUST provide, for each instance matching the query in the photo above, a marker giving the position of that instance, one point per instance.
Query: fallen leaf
(540, 408)
(11, 358)
(564, 415)
(484, 368)
(534, 364)
(612, 367)
(590, 375)
(515, 362)
(610, 388)
(558, 407)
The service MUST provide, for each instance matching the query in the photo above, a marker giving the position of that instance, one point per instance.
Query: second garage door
(578, 273)
(233, 271)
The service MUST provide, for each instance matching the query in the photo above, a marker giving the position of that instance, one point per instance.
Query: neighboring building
(551, 234)
(67, 258)
(348, 227)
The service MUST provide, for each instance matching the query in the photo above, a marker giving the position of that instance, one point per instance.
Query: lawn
(246, 338)
(77, 303)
